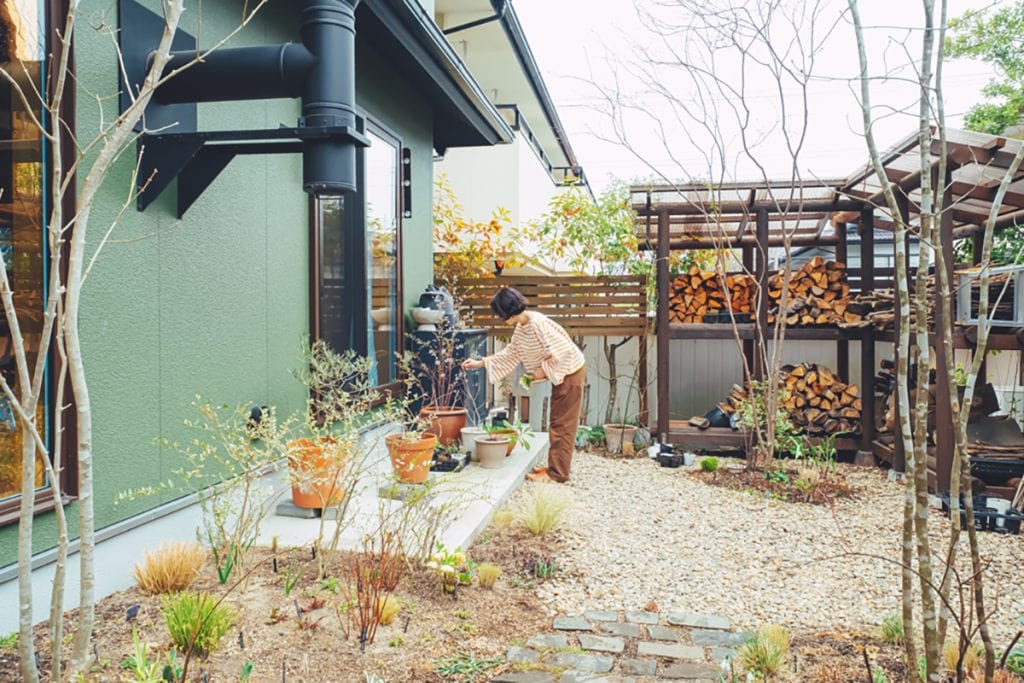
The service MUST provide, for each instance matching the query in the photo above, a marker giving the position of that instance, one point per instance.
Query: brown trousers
(566, 401)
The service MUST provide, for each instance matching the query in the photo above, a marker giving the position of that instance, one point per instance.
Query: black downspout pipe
(321, 71)
(499, 14)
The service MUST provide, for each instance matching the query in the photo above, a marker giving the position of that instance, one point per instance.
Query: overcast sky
(595, 39)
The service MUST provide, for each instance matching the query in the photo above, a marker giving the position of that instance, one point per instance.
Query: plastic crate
(1001, 469)
(985, 518)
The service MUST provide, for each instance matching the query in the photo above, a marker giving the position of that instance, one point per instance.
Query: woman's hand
(539, 376)
(472, 364)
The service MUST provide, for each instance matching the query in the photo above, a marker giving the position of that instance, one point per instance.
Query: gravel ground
(638, 532)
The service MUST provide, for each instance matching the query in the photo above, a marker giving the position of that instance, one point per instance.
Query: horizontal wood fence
(591, 306)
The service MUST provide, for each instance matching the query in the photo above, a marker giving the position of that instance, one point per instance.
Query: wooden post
(867, 335)
(748, 344)
(645, 409)
(977, 244)
(662, 329)
(761, 328)
(945, 448)
(842, 345)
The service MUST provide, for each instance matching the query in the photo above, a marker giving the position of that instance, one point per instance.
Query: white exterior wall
(509, 176)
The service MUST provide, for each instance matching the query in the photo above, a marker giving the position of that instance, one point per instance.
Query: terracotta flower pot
(411, 454)
(510, 434)
(492, 451)
(316, 468)
(446, 423)
(617, 434)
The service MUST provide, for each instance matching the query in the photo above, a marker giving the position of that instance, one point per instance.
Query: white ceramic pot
(469, 438)
(427, 318)
(491, 452)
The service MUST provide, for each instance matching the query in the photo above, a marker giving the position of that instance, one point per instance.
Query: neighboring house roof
(488, 35)
(463, 114)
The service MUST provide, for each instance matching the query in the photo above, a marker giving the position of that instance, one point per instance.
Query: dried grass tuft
(488, 574)
(171, 568)
(544, 513)
(387, 609)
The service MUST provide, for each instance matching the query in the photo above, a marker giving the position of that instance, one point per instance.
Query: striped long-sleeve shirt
(533, 341)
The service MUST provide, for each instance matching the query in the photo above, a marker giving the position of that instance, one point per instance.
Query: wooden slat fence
(592, 306)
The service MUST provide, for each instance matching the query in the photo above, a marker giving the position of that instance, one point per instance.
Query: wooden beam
(867, 338)
(775, 208)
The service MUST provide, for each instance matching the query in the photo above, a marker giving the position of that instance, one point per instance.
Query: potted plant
(411, 454)
(470, 435)
(492, 449)
(517, 433)
(436, 379)
(618, 433)
(316, 466)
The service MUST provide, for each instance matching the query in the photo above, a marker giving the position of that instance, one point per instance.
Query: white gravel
(638, 532)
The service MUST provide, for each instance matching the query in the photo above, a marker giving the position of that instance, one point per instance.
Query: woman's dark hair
(508, 303)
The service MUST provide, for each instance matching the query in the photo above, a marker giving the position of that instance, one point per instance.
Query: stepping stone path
(621, 647)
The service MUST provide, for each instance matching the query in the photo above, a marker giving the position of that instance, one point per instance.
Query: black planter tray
(726, 318)
(670, 459)
(985, 518)
(454, 463)
(996, 469)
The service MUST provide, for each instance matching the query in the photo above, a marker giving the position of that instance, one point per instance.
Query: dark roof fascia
(517, 38)
(448, 83)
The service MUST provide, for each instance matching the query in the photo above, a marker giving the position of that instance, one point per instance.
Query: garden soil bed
(431, 626)
(783, 487)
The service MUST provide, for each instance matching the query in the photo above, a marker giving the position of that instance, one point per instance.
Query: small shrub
(544, 513)
(765, 653)
(171, 568)
(709, 464)
(9, 642)
(488, 574)
(397, 641)
(503, 519)
(891, 630)
(387, 609)
(196, 622)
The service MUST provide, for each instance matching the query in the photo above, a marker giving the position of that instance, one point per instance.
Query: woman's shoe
(539, 476)
(539, 468)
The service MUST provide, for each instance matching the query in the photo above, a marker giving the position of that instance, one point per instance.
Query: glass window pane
(21, 215)
(334, 328)
(382, 253)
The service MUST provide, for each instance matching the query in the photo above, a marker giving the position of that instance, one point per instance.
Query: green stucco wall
(216, 303)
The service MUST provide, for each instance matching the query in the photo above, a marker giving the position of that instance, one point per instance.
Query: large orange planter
(411, 455)
(446, 423)
(316, 469)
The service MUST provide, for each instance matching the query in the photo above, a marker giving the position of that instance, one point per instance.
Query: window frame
(55, 12)
(355, 219)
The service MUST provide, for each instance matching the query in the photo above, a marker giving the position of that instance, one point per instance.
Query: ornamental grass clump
(764, 654)
(488, 574)
(891, 630)
(171, 568)
(545, 512)
(197, 622)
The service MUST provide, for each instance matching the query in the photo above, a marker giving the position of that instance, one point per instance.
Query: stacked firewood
(819, 403)
(698, 293)
(878, 308)
(819, 294)
(816, 401)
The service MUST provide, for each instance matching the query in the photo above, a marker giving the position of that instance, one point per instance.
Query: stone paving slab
(692, 620)
(602, 643)
(635, 646)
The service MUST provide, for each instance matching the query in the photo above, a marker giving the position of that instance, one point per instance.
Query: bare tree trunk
(610, 351)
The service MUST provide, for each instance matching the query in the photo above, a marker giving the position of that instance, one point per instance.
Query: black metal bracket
(195, 159)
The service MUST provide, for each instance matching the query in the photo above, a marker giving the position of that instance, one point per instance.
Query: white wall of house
(509, 176)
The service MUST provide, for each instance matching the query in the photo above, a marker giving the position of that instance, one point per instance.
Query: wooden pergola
(751, 218)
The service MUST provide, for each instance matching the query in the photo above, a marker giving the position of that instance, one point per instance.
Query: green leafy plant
(464, 667)
(891, 630)
(544, 513)
(9, 642)
(246, 672)
(519, 432)
(197, 622)
(173, 671)
(292, 577)
(453, 566)
(777, 475)
(138, 663)
(709, 464)
(542, 568)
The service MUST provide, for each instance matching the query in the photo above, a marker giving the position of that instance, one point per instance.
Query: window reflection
(21, 214)
(382, 253)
